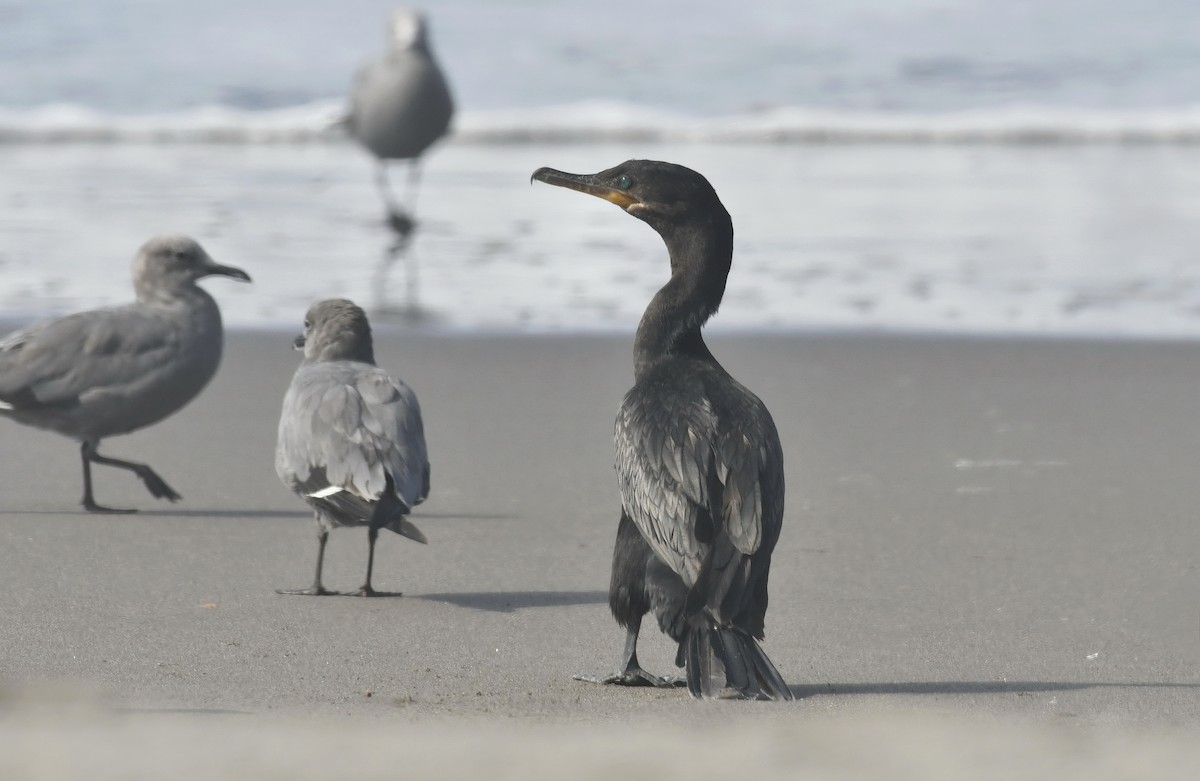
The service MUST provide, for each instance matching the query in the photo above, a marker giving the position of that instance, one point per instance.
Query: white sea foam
(614, 122)
(1003, 239)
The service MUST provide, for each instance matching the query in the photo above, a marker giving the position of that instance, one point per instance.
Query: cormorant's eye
(624, 183)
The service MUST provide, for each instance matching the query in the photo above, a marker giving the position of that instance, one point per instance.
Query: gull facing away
(351, 441)
(699, 462)
(399, 106)
(97, 374)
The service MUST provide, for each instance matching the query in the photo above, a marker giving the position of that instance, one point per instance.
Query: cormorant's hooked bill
(610, 185)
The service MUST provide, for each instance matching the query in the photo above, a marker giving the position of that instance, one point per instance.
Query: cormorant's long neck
(701, 252)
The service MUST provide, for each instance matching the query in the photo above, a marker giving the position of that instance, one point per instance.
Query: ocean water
(1019, 167)
(672, 55)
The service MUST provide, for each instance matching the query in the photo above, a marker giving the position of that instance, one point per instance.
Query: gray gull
(351, 441)
(100, 373)
(399, 106)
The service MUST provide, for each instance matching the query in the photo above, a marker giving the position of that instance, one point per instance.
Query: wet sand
(997, 536)
(994, 238)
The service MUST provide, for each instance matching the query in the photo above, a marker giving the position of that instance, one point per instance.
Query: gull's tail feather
(406, 528)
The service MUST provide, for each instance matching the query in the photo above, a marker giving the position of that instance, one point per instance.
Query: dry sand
(990, 566)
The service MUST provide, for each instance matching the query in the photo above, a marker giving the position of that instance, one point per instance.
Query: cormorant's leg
(157, 486)
(317, 589)
(631, 672)
(366, 590)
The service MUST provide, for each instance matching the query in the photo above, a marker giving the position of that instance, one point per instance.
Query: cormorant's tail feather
(727, 663)
(424, 486)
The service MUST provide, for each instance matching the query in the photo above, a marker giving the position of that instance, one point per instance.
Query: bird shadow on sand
(512, 601)
(197, 711)
(154, 513)
(970, 687)
(450, 516)
(261, 514)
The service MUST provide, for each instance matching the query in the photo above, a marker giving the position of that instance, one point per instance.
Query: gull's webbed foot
(92, 507)
(311, 591)
(367, 591)
(157, 487)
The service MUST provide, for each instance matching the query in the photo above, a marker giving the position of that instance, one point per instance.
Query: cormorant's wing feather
(693, 474)
(663, 453)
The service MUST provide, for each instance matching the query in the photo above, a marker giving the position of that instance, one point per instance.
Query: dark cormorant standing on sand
(698, 459)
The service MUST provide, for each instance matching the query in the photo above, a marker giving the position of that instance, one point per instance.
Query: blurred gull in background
(399, 107)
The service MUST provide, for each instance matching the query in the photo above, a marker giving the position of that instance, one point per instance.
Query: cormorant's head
(661, 194)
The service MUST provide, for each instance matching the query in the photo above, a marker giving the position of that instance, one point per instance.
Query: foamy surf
(601, 122)
(1002, 239)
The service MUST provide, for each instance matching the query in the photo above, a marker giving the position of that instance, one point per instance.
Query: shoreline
(1009, 240)
(381, 326)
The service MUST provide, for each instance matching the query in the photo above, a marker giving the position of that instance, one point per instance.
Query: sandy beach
(964, 280)
(994, 533)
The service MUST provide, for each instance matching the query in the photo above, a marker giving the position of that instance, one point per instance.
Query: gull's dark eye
(624, 183)
(307, 325)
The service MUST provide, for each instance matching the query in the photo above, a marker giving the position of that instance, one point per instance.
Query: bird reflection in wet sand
(699, 462)
(408, 310)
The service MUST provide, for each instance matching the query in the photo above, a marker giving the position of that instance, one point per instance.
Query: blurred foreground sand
(57, 740)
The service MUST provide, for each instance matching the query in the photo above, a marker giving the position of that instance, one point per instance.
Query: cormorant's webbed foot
(631, 672)
(632, 676)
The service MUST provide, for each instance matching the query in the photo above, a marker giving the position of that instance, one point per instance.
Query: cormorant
(698, 459)
(399, 106)
(351, 441)
(97, 374)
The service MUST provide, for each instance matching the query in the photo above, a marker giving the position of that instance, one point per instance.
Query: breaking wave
(609, 122)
